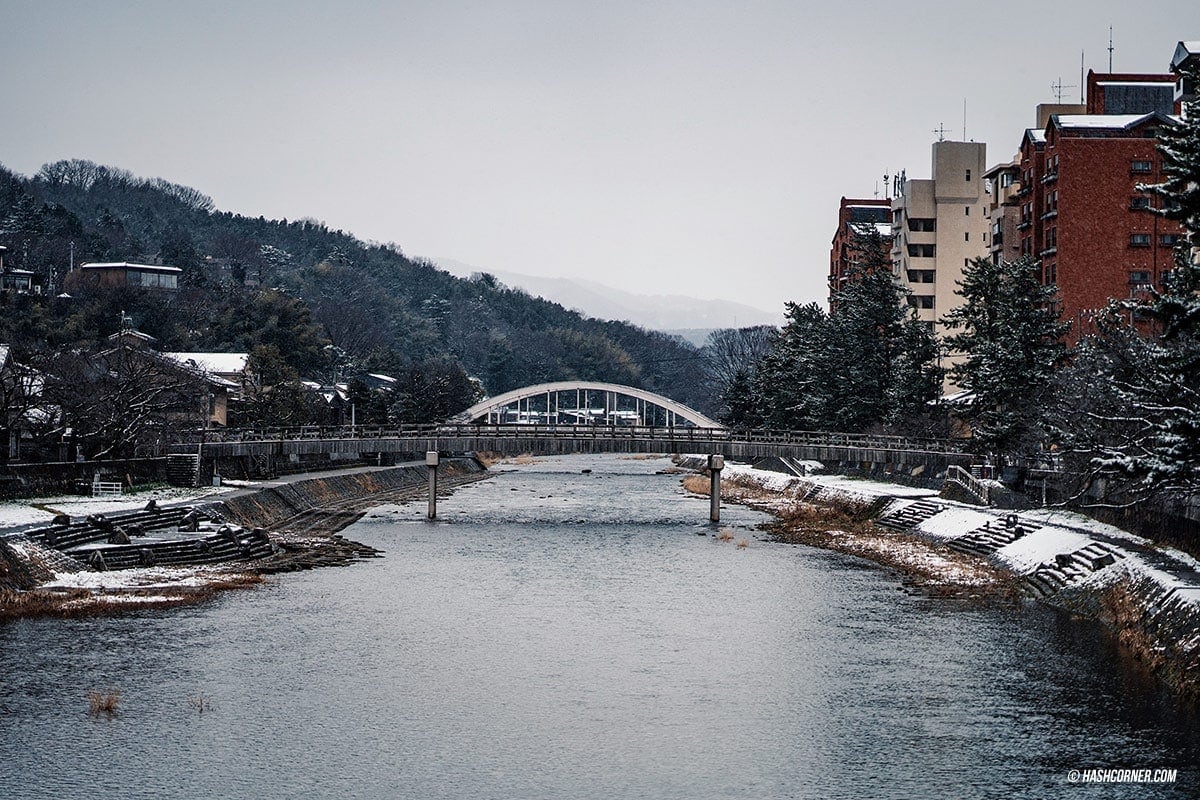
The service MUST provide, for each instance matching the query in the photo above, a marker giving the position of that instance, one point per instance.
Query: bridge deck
(511, 439)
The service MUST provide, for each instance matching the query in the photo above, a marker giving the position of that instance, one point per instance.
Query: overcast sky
(692, 147)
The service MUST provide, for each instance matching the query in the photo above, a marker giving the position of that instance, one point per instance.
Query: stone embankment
(1146, 593)
(158, 556)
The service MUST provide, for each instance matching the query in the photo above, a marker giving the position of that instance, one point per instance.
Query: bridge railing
(677, 434)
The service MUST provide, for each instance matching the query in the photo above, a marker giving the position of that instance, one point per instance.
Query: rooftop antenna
(876, 190)
(964, 119)
(1110, 48)
(940, 130)
(1058, 87)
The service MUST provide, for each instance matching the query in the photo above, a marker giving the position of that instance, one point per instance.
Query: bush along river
(566, 633)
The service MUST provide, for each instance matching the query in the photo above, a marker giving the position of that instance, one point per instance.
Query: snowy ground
(1054, 532)
(21, 514)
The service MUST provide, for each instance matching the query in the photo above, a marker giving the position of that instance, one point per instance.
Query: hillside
(330, 302)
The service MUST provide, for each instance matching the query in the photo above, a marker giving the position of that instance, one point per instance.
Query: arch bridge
(583, 403)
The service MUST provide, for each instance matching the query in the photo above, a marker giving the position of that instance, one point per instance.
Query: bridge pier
(716, 463)
(431, 461)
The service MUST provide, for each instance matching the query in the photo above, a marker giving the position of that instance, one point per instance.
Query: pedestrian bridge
(562, 418)
(584, 402)
(265, 446)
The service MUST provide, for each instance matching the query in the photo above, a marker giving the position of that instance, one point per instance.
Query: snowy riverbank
(1148, 594)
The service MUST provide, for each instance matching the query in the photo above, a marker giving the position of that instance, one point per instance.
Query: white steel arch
(496, 406)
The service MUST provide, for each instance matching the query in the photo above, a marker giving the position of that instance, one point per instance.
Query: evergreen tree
(1130, 410)
(1008, 337)
(865, 325)
(916, 378)
(793, 381)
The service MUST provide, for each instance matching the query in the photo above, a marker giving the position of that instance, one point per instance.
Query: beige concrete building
(938, 225)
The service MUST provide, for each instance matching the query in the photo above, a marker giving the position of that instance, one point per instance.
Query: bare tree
(123, 400)
(729, 351)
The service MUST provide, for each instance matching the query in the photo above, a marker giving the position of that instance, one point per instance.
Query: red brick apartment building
(1078, 207)
(875, 213)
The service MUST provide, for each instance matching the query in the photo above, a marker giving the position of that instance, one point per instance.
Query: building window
(920, 300)
(967, 236)
(966, 211)
(921, 275)
(1139, 203)
(922, 224)
(968, 175)
(1139, 240)
(1051, 274)
(1141, 166)
(1169, 239)
(922, 250)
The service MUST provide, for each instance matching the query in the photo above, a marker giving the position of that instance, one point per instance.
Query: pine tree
(1008, 333)
(1130, 411)
(793, 381)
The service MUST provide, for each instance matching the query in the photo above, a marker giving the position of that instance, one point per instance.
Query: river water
(560, 634)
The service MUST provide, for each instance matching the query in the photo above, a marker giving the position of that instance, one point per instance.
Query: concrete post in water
(716, 463)
(431, 461)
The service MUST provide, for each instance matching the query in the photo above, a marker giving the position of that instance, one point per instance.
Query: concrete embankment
(303, 515)
(1146, 593)
(272, 505)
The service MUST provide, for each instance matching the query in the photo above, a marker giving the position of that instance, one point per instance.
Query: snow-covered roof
(1182, 51)
(4, 350)
(218, 363)
(1036, 135)
(128, 265)
(1102, 121)
(380, 377)
(1166, 81)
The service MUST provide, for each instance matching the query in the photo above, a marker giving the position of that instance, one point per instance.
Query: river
(561, 634)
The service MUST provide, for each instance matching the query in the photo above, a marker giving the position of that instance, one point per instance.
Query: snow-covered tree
(1007, 330)
(1129, 409)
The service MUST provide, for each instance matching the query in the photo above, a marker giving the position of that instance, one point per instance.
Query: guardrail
(680, 434)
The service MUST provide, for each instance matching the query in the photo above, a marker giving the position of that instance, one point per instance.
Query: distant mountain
(690, 317)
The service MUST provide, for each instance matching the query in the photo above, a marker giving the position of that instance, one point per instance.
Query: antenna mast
(1110, 48)
(1057, 87)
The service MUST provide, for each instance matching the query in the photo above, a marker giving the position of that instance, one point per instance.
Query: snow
(217, 363)
(1099, 120)
(956, 521)
(1040, 546)
(29, 513)
(137, 578)
(868, 489)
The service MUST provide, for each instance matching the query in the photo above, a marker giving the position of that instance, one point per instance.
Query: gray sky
(694, 147)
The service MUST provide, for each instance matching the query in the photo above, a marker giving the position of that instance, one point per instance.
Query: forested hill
(300, 286)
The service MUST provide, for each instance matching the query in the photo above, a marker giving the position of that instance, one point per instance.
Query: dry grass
(75, 603)
(200, 703)
(696, 483)
(488, 458)
(104, 704)
(522, 460)
(743, 543)
(642, 457)
(725, 535)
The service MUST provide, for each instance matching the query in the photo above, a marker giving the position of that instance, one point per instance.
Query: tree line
(1119, 413)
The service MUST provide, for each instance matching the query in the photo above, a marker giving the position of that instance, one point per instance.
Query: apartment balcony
(1024, 224)
(1050, 177)
(1051, 214)
(1049, 251)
